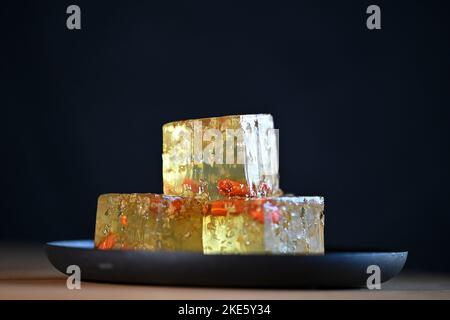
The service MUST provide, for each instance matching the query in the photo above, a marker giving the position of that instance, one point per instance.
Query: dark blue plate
(334, 269)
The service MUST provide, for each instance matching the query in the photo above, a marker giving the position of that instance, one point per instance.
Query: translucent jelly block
(148, 221)
(217, 158)
(292, 225)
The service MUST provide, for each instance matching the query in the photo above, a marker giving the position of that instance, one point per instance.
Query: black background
(363, 115)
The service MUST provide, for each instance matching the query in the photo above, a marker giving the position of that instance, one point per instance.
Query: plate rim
(328, 252)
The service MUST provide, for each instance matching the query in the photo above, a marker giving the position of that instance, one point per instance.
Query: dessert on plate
(221, 196)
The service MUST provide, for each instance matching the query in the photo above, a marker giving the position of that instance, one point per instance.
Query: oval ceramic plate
(343, 269)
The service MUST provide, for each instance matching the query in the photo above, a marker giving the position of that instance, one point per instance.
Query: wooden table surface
(25, 273)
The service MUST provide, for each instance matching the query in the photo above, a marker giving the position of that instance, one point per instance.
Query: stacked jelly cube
(221, 195)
